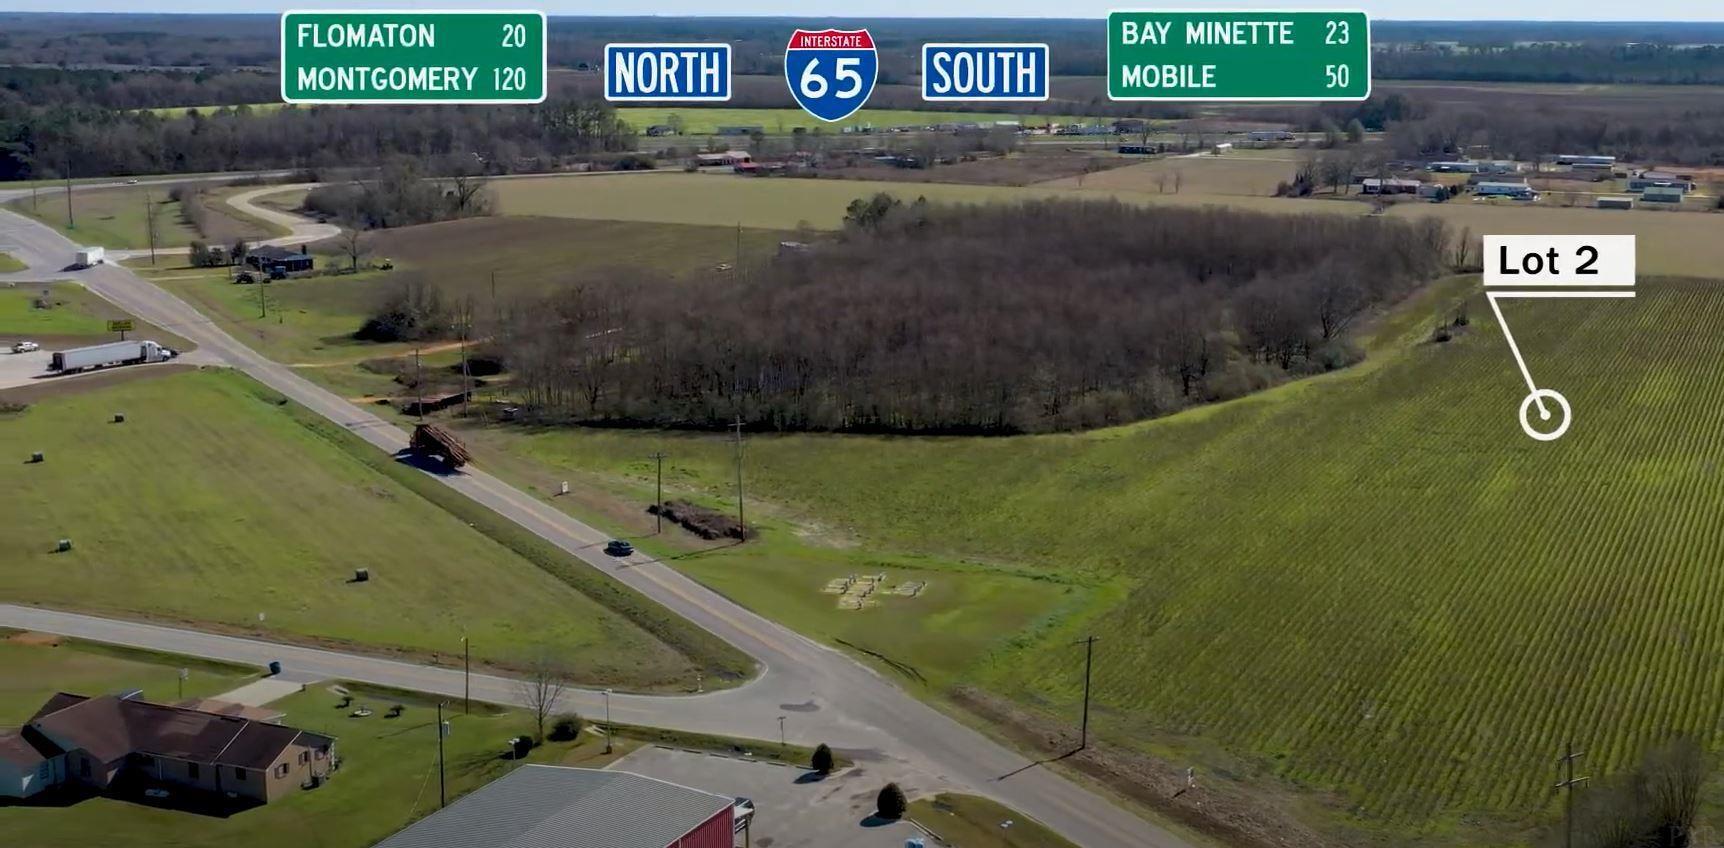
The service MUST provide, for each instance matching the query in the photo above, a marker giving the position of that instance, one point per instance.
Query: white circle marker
(1544, 414)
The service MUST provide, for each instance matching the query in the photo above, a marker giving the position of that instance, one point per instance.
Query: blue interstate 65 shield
(831, 72)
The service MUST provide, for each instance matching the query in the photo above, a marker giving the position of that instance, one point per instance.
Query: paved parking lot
(21, 369)
(791, 810)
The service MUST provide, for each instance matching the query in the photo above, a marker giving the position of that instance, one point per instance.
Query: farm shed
(1616, 203)
(1372, 185)
(1519, 191)
(1664, 194)
(729, 158)
(538, 805)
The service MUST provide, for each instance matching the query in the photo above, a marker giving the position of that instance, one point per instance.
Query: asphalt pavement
(825, 695)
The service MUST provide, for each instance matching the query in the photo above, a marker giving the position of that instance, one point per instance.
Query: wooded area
(89, 141)
(986, 319)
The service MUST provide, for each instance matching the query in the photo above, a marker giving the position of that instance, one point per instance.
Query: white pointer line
(1494, 296)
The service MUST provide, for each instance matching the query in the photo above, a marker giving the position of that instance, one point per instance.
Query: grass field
(34, 667)
(312, 320)
(388, 775)
(213, 503)
(975, 822)
(1251, 176)
(72, 311)
(1422, 678)
(698, 121)
(1670, 243)
(10, 264)
(112, 217)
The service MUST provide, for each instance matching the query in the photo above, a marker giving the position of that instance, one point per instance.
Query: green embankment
(213, 503)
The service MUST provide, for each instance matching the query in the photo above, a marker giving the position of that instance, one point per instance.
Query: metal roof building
(555, 807)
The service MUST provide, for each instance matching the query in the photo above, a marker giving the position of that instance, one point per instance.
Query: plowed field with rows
(1370, 585)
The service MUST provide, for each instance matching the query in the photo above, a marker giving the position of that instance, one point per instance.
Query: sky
(1568, 10)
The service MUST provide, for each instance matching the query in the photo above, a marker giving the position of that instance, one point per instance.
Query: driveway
(792, 810)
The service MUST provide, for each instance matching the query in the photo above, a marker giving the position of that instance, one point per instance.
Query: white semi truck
(112, 353)
(89, 257)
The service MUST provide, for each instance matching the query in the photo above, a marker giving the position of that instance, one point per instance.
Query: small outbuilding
(1616, 203)
(1664, 194)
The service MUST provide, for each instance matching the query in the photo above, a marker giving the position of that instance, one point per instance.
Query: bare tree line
(996, 319)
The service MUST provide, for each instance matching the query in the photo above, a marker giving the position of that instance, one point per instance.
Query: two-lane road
(828, 696)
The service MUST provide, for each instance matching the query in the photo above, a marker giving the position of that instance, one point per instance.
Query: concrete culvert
(37, 457)
(64, 546)
(361, 575)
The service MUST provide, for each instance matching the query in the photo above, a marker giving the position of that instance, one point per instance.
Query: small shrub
(822, 759)
(566, 727)
(520, 747)
(892, 803)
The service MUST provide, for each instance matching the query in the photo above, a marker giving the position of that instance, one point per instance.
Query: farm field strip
(1677, 243)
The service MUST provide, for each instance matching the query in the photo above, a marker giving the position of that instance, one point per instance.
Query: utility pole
(442, 730)
(466, 676)
(1568, 783)
(150, 223)
(466, 373)
(496, 308)
(742, 525)
(1088, 664)
(658, 502)
(419, 384)
(608, 728)
(69, 224)
(781, 745)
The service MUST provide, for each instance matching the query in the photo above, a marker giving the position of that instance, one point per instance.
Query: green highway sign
(1234, 55)
(413, 57)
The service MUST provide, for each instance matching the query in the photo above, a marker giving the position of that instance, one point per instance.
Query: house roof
(270, 251)
(109, 728)
(554, 807)
(24, 750)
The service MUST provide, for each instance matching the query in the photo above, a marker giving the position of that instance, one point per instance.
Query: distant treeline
(1577, 63)
(1667, 133)
(136, 89)
(992, 319)
(86, 141)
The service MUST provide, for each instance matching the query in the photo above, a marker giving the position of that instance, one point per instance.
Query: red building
(576, 808)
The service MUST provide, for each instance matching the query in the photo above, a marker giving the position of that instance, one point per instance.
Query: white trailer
(113, 353)
(90, 256)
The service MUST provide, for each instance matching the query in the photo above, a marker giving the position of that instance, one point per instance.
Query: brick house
(96, 743)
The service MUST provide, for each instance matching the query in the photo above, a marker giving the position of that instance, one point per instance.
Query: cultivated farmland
(196, 509)
(698, 121)
(1670, 243)
(312, 320)
(1368, 584)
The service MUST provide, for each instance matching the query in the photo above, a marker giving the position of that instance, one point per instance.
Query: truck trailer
(89, 257)
(104, 355)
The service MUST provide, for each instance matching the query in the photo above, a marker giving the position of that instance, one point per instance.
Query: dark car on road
(619, 548)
